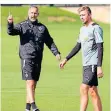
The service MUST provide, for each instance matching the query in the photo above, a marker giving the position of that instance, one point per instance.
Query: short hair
(84, 8)
(33, 6)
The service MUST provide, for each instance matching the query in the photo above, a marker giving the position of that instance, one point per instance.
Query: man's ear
(89, 13)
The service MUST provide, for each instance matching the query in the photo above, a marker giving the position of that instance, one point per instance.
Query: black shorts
(90, 75)
(30, 69)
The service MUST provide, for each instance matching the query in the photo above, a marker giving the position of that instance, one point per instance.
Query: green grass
(57, 90)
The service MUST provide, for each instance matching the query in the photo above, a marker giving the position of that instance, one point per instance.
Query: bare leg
(95, 98)
(84, 97)
(34, 89)
(30, 86)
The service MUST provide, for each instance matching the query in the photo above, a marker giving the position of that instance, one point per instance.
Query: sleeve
(100, 54)
(50, 43)
(98, 33)
(74, 51)
(13, 29)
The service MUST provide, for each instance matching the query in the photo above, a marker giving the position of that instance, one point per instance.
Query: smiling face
(33, 13)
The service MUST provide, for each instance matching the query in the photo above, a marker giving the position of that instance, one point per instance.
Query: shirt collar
(33, 23)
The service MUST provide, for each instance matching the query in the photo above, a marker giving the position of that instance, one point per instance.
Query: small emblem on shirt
(41, 28)
(85, 38)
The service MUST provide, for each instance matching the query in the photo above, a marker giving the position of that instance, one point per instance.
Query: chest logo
(41, 28)
(85, 38)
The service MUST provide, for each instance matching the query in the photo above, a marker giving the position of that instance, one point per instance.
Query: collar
(32, 22)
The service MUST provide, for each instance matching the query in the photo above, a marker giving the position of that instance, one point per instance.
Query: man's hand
(10, 19)
(99, 72)
(58, 57)
(62, 63)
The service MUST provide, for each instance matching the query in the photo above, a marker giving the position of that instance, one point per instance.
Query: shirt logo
(41, 28)
(85, 38)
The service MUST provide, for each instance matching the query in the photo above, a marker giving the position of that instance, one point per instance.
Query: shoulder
(42, 26)
(81, 28)
(23, 22)
(97, 27)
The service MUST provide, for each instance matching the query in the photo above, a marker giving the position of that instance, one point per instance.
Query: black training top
(33, 35)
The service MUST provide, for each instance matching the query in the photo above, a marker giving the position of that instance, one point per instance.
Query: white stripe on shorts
(92, 68)
(24, 63)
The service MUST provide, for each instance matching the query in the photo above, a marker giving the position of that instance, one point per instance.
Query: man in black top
(33, 35)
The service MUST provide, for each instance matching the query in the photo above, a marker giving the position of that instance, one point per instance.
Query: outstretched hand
(62, 63)
(10, 18)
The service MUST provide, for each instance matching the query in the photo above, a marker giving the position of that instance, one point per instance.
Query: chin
(84, 22)
(33, 20)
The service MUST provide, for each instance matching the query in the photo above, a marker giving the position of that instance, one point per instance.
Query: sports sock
(34, 107)
(28, 106)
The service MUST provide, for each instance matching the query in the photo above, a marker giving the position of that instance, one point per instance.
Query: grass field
(57, 90)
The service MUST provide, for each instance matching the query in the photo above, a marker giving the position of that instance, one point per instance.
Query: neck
(88, 23)
(33, 22)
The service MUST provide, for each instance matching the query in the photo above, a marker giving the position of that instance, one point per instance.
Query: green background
(57, 90)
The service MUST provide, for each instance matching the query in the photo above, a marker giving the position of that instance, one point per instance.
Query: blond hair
(84, 8)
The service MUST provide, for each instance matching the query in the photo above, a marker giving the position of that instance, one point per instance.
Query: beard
(33, 19)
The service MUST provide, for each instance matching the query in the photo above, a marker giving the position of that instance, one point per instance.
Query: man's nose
(81, 17)
(32, 14)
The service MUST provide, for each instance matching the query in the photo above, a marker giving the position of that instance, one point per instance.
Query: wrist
(66, 60)
(99, 67)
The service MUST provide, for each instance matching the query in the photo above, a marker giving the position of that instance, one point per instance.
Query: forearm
(54, 49)
(100, 54)
(74, 51)
(11, 30)
(51, 45)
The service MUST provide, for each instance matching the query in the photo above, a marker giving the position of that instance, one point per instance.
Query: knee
(83, 89)
(30, 84)
(93, 93)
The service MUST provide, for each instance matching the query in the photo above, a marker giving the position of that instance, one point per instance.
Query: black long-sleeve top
(33, 35)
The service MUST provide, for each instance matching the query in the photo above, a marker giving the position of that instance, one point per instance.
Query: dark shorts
(90, 75)
(30, 69)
